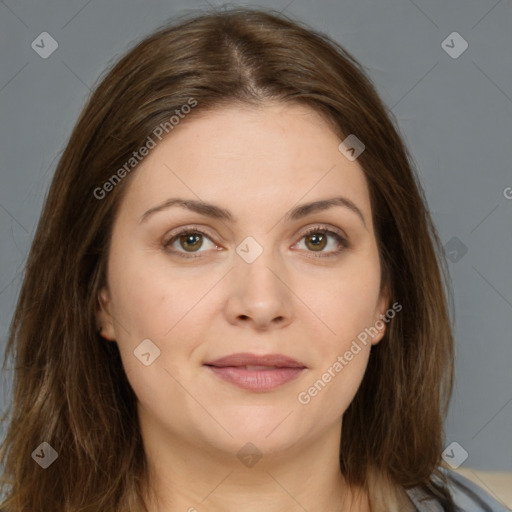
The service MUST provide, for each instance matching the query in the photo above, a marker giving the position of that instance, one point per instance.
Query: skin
(258, 163)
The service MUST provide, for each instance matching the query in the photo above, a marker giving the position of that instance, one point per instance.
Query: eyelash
(315, 229)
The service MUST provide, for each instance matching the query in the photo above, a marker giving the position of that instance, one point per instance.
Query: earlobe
(103, 316)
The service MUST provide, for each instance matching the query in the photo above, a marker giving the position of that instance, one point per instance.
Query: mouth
(256, 373)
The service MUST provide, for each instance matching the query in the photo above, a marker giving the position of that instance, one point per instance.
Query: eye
(188, 241)
(191, 240)
(317, 239)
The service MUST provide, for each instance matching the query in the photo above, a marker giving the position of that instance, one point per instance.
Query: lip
(279, 370)
(247, 359)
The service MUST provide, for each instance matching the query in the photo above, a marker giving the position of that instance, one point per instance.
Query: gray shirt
(468, 496)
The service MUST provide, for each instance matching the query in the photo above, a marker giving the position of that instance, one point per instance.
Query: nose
(259, 297)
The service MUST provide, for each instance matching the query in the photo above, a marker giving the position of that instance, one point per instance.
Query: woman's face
(247, 279)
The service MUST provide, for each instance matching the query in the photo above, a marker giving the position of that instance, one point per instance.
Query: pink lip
(232, 369)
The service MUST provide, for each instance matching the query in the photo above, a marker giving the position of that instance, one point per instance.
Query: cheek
(334, 381)
(347, 309)
(158, 302)
(344, 303)
(154, 305)
(150, 295)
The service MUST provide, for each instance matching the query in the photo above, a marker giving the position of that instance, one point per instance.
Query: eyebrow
(216, 212)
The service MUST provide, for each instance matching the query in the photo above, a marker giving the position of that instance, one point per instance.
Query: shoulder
(468, 496)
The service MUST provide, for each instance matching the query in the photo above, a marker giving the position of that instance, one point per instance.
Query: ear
(380, 322)
(104, 316)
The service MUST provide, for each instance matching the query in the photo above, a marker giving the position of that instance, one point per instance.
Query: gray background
(454, 113)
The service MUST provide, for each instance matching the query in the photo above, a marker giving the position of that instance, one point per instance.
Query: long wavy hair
(70, 389)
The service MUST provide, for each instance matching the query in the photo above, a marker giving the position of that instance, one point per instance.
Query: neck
(186, 477)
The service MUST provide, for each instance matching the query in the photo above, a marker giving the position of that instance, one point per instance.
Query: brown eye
(187, 242)
(191, 241)
(317, 241)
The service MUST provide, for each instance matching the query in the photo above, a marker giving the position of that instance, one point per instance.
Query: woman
(235, 296)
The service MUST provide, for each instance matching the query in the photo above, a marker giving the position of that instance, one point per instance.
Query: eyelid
(325, 227)
(188, 228)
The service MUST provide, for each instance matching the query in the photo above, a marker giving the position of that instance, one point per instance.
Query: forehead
(255, 160)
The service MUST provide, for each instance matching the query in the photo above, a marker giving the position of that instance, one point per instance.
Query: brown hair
(393, 427)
